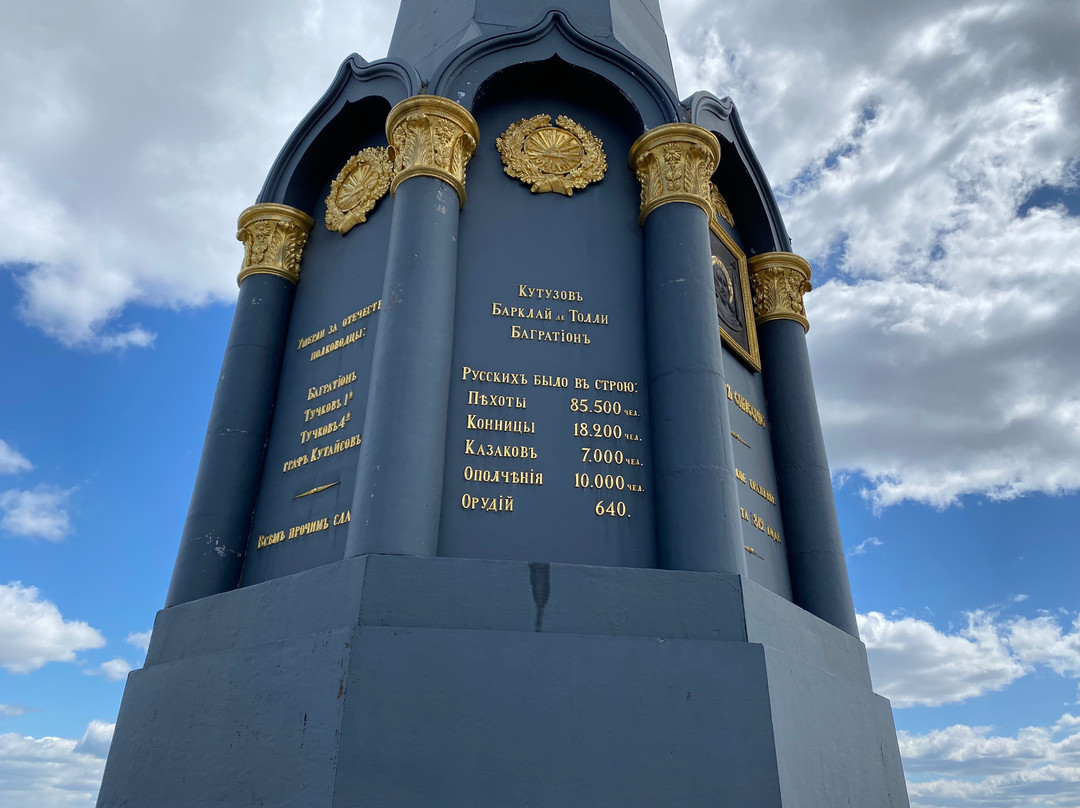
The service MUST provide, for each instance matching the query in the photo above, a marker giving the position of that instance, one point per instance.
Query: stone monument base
(397, 681)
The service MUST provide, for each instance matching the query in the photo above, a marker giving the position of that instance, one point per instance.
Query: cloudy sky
(926, 157)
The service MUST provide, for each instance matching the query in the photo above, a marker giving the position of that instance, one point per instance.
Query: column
(697, 508)
(396, 503)
(819, 580)
(215, 536)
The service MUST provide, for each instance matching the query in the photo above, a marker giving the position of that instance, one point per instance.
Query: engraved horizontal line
(317, 489)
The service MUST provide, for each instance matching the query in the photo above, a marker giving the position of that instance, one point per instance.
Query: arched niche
(350, 115)
(469, 68)
(740, 177)
(588, 248)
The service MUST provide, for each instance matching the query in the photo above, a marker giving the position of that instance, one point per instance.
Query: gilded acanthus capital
(274, 236)
(431, 136)
(675, 163)
(778, 281)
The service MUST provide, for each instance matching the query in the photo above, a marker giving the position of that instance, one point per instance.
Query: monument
(514, 491)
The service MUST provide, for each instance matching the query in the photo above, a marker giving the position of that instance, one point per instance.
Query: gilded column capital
(675, 163)
(778, 281)
(274, 237)
(431, 136)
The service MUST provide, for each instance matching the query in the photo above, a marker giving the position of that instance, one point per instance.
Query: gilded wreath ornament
(560, 158)
(361, 183)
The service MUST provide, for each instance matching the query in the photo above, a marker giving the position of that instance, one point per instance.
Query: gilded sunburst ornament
(559, 158)
(363, 181)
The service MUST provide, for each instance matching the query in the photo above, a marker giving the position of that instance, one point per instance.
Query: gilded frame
(750, 353)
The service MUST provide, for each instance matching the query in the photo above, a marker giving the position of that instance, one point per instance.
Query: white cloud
(12, 460)
(912, 662)
(115, 670)
(38, 513)
(123, 167)
(15, 710)
(1043, 641)
(915, 663)
(140, 640)
(97, 739)
(34, 633)
(53, 772)
(864, 546)
(960, 765)
(906, 142)
(1066, 721)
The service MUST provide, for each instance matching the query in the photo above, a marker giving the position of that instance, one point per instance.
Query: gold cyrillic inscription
(499, 424)
(588, 318)
(340, 342)
(759, 523)
(517, 332)
(477, 398)
(490, 504)
(767, 495)
(755, 414)
(496, 450)
(501, 310)
(328, 407)
(270, 538)
(306, 529)
(369, 309)
(319, 452)
(548, 294)
(529, 477)
(323, 431)
(558, 382)
(612, 386)
(329, 387)
(306, 341)
(493, 376)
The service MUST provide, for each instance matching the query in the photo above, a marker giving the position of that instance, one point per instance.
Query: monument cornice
(355, 79)
(555, 36)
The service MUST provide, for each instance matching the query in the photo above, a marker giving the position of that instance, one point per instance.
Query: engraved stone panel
(548, 455)
(305, 497)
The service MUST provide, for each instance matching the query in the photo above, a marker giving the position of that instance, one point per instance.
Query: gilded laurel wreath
(558, 158)
(363, 181)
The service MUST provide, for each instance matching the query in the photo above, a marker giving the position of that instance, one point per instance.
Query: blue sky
(926, 160)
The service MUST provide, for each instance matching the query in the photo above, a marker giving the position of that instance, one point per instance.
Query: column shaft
(818, 569)
(696, 494)
(398, 494)
(399, 479)
(696, 491)
(215, 536)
